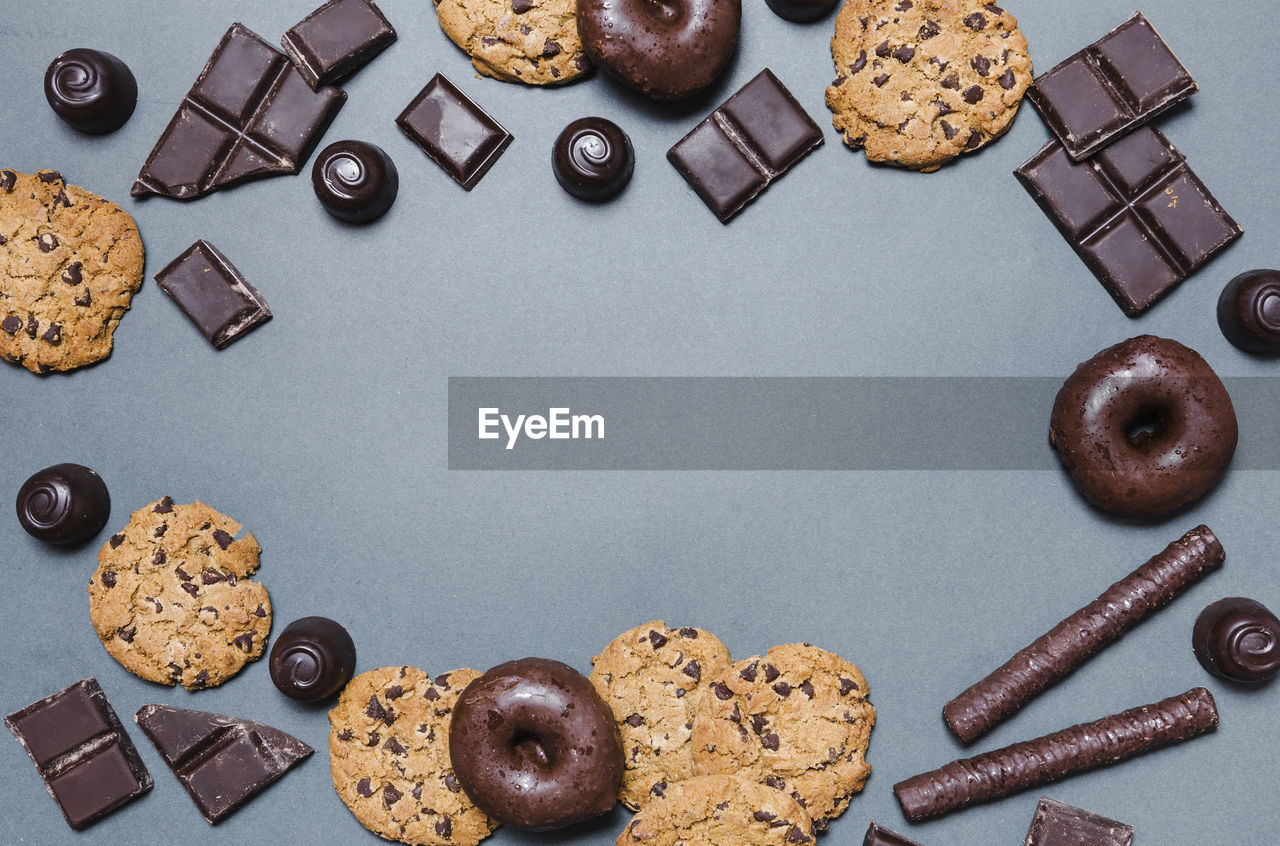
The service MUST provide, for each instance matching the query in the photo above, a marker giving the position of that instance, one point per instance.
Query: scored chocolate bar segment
(1031, 763)
(86, 759)
(755, 137)
(1059, 824)
(223, 762)
(879, 836)
(1073, 641)
(222, 305)
(1110, 87)
(337, 40)
(1135, 214)
(456, 133)
(249, 114)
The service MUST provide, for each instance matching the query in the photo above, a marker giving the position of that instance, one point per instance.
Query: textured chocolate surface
(801, 11)
(592, 159)
(355, 181)
(1073, 641)
(1249, 311)
(65, 503)
(312, 659)
(879, 836)
(336, 40)
(1078, 749)
(1238, 639)
(755, 137)
(223, 762)
(1059, 824)
(1135, 213)
(1111, 87)
(82, 752)
(92, 91)
(456, 133)
(222, 305)
(249, 114)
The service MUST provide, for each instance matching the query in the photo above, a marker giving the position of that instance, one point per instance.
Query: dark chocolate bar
(1110, 87)
(250, 114)
(755, 137)
(1059, 824)
(1135, 214)
(336, 40)
(85, 757)
(223, 762)
(1031, 763)
(879, 836)
(1073, 641)
(222, 305)
(456, 133)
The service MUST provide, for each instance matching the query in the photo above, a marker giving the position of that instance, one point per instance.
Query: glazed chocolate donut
(667, 49)
(534, 745)
(1144, 427)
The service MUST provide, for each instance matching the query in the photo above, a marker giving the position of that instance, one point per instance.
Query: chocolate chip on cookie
(530, 41)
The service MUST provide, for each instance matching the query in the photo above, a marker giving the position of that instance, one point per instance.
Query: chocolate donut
(1144, 427)
(667, 49)
(1238, 639)
(534, 745)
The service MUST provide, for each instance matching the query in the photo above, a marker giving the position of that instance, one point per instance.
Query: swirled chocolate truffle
(1249, 311)
(801, 11)
(356, 182)
(313, 658)
(91, 90)
(593, 159)
(65, 503)
(1238, 639)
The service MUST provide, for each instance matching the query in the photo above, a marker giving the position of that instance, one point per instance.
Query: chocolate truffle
(593, 159)
(313, 658)
(91, 90)
(65, 503)
(354, 181)
(1238, 639)
(801, 11)
(1249, 311)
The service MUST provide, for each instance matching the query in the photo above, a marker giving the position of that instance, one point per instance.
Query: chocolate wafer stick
(1055, 756)
(1073, 641)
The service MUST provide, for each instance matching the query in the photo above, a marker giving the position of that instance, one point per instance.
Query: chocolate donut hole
(1149, 426)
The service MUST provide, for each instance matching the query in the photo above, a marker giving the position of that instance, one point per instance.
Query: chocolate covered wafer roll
(1073, 641)
(1055, 756)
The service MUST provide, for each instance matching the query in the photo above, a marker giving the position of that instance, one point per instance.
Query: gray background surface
(324, 432)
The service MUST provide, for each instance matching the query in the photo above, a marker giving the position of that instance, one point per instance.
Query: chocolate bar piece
(1134, 213)
(1073, 641)
(1031, 763)
(86, 759)
(250, 114)
(755, 137)
(877, 836)
(336, 40)
(223, 762)
(1059, 824)
(455, 132)
(1110, 87)
(222, 305)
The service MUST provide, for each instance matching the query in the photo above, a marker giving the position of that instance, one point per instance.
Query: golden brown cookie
(797, 719)
(70, 262)
(531, 41)
(922, 81)
(652, 677)
(717, 810)
(171, 598)
(389, 757)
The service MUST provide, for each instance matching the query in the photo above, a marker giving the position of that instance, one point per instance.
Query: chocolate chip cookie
(797, 719)
(652, 677)
(389, 757)
(716, 810)
(922, 81)
(530, 41)
(171, 599)
(70, 262)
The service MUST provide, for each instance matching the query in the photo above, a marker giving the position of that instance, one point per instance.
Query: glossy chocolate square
(336, 40)
(213, 294)
(879, 836)
(456, 133)
(1059, 824)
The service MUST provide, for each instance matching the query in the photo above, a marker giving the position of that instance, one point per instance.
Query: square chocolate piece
(878, 836)
(1110, 87)
(82, 752)
(222, 305)
(456, 133)
(248, 115)
(1059, 824)
(755, 137)
(336, 40)
(1135, 213)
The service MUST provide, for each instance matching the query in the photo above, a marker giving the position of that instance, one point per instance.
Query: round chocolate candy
(1238, 639)
(1249, 311)
(91, 90)
(356, 182)
(65, 503)
(593, 159)
(801, 11)
(313, 658)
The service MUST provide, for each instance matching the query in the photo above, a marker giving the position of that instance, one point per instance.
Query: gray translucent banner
(785, 423)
